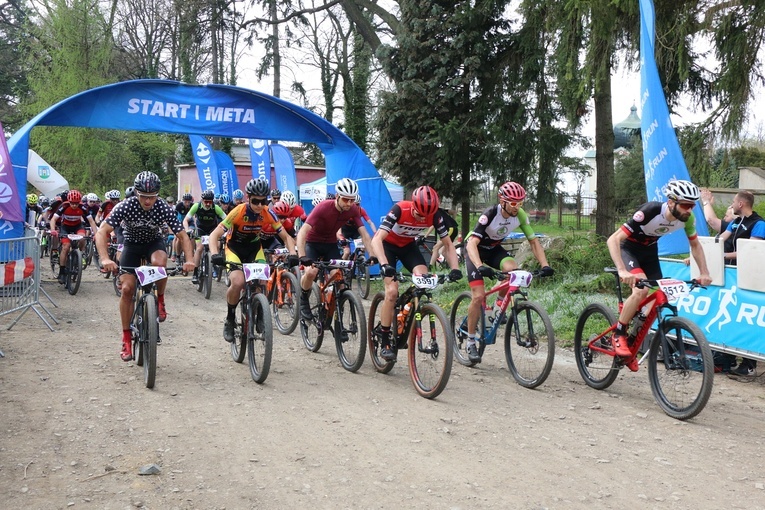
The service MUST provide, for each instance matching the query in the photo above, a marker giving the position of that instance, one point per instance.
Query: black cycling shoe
(228, 331)
(387, 353)
(472, 352)
(305, 311)
(195, 279)
(61, 278)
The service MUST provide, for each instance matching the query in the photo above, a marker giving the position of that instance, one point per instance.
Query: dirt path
(78, 424)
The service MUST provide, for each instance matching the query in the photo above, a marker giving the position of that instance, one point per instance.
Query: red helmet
(511, 191)
(425, 201)
(74, 196)
(281, 208)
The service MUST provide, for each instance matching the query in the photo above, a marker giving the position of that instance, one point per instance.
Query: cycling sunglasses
(259, 201)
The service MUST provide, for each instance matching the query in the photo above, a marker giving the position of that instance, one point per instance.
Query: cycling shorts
(135, 255)
(244, 254)
(66, 230)
(493, 257)
(642, 261)
(409, 255)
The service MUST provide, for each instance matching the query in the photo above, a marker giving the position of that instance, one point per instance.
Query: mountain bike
(89, 249)
(282, 292)
(337, 309)
(253, 329)
(359, 276)
(205, 273)
(73, 265)
(114, 275)
(680, 364)
(529, 336)
(422, 328)
(144, 323)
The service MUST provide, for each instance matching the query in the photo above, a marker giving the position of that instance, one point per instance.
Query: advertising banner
(260, 158)
(207, 166)
(284, 168)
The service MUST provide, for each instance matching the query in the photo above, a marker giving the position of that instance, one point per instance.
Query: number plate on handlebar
(673, 289)
(205, 240)
(520, 278)
(74, 237)
(281, 251)
(424, 281)
(339, 263)
(150, 274)
(256, 271)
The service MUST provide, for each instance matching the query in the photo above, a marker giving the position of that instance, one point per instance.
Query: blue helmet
(238, 194)
(224, 198)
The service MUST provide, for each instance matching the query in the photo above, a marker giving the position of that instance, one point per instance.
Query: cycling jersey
(650, 222)
(325, 220)
(140, 226)
(207, 219)
(245, 227)
(349, 230)
(403, 227)
(72, 215)
(297, 213)
(106, 209)
(493, 228)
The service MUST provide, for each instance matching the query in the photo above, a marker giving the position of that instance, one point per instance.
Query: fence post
(579, 211)
(560, 209)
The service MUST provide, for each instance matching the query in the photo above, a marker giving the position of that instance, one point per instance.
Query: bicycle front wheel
(260, 342)
(362, 278)
(530, 344)
(312, 330)
(598, 369)
(207, 275)
(350, 331)
(284, 306)
(373, 338)
(73, 271)
(241, 328)
(458, 326)
(681, 373)
(148, 339)
(430, 351)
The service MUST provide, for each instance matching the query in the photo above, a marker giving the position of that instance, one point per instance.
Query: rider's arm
(93, 226)
(377, 244)
(538, 251)
(189, 216)
(301, 237)
(53, 221)
(472, 251)
(215, 236)
(367, 241)
(451, 253)
(102, 241)
(287, 241)
(697, 251)
(219, 211)
(614, 249)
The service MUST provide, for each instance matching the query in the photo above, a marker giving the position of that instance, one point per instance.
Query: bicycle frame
(658, 303)
(489, 335)
(413, 295)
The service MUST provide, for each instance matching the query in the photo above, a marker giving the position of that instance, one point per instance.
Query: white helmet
(346, 187)
(112, 194)
(92, 197)
(684, 191)
(289, 198)
(316, 201)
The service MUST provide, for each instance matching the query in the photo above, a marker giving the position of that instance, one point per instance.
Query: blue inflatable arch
(218, 110)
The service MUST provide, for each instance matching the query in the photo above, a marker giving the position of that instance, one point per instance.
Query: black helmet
(64, 195)
(257, 187)
(208, 194)
(147, 182)
(276, 193)
(130, 192)
(187, 196)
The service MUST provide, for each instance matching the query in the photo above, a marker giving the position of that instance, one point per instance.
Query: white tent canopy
(318, 188)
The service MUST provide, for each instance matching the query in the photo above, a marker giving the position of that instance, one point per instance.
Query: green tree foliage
(13, 81)
(629, 181)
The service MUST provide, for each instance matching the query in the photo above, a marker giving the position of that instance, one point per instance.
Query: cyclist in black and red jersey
(142, 217)
(112, 199)
(289, 223)
(73, 216)
(634, 249)
(317, 238)
(486, 254)
(395, 241)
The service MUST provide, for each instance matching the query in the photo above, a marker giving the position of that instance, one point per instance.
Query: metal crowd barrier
(19, 294)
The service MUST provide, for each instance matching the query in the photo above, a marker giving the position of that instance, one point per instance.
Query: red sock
(161, 298)
(127, 335)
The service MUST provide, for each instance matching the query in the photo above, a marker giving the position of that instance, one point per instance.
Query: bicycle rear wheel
(207, 280)
(260, 342)
(530, 347)
(350, 331)
(241, 328)
(681, 374)
(458, 326)
(284, 306)
(73, 271)
(374, 345)
(312, 330)
(596, 368)
(430, 351)
(148, 339)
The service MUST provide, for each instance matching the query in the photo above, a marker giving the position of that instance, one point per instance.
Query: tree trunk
(605, 217)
